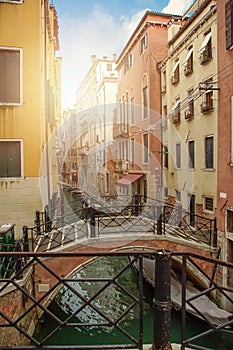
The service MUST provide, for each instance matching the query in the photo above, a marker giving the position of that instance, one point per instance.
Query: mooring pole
(162, 302)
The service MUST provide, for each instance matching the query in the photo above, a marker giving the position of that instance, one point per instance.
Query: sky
(101, 28)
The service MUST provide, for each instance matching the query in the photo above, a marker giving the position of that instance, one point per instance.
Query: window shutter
(229, 24)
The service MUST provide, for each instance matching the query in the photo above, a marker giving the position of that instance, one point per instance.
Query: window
(207, 104)
(164, 117)
(10, 158)
(205, 51)
(208, 204)
(132, 149)
(175, 73)
(132, 110)
(209, 152)
(165, 192)
(145, 102)
(143, 44)
(229, 259)
(192, 209)
(10, 76)
(188, 62)
(164, 82)
(128, 62)
(229, 24)
(175, 111)
(145, 149)
(230, 221)
(165, 157)
(109, 67)
(178, 196)
(191, 154)
(189, 112)
(178, 155)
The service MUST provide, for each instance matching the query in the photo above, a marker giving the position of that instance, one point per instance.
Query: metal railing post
(215, 234)
(162, 302)
(159, 220)
(92, 222)
(25, 239)
(37, 222)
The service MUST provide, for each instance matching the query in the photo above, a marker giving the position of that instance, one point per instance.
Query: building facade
(225, 131)
(189, 91)
(29, 108)
(95, 107)
(137, 124)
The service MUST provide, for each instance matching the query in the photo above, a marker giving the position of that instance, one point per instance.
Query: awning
(187, 57)
(176, 105)
(204, 42)
(174, 69)
(128, 179)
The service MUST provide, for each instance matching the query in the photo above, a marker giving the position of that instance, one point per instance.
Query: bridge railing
(128, 215)
(25, 299)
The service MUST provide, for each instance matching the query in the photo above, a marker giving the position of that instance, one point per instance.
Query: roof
(140, 25)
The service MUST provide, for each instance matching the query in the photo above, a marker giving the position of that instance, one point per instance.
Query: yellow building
(29, 108)
(190, 110)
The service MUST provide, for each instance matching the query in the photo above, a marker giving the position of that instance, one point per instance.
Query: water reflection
(112, 304)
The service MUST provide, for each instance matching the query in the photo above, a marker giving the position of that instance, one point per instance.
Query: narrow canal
(113, 302)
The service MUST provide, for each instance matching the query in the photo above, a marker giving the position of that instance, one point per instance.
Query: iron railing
(25, 297)
(140, 215)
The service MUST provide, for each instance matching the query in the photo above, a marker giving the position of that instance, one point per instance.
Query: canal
(112, 303)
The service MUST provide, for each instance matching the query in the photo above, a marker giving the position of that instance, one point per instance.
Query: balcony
(175, 79)
(120, 130)
(205, 56)
(207, 106)
(188, 114)
(188, 69)
(176, 118)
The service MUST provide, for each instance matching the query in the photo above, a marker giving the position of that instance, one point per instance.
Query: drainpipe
(45, 99)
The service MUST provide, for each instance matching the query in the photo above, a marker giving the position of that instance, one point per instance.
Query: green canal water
(112, 303)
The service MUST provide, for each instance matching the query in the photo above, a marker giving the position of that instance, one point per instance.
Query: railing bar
(140, 302)
(183, 309)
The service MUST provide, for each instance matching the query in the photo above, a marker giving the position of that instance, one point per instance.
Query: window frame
(165, 157)
(205, 204)
(145, 102)
(191, 159)
(20, 82)
(132, 110)
(205, 50)
(143, 43)
(209, 154)
(145, 148)
(21, 160)
(178, 155)
(188, 62)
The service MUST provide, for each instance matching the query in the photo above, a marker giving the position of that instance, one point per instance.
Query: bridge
(36, 267)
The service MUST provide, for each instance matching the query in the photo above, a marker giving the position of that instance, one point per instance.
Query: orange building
(137, 124)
